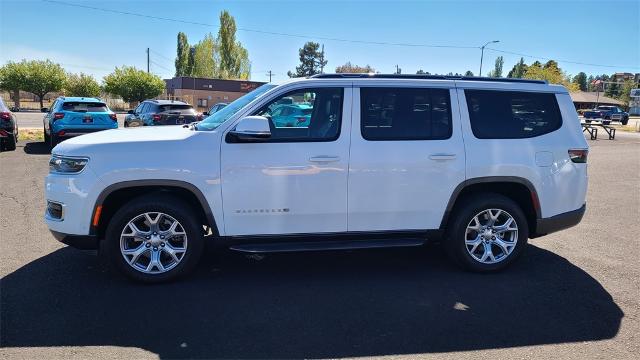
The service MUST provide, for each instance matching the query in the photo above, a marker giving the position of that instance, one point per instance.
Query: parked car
(385, 161)
(161, 112)
(606, 112)
(215, 108)
(72, 116)
(8, 128)
(295, 115)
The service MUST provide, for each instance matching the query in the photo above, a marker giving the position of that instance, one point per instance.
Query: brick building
(204, 92)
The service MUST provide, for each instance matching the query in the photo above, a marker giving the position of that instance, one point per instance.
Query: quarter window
(512, 114)
(305, 115)
(405, 114)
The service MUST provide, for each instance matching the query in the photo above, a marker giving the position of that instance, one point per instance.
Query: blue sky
(94, 42)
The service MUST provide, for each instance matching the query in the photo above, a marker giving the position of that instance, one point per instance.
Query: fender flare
(158, 182)
(490, 179)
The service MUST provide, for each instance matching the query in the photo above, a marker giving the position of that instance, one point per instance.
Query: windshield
(215, 120)
(163, 108)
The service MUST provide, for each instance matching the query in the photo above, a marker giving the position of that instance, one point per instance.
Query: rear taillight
(3, 133)
(578, 155)
(58, 116)
(61, 133)
(156, 117)
(5, 116)
(113, 117)
(301, 120)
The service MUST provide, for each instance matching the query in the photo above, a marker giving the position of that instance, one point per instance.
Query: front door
(296, 181)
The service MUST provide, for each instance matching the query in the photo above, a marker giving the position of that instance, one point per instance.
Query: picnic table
(592, 128)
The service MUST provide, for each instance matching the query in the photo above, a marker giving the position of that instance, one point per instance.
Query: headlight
(67, 165)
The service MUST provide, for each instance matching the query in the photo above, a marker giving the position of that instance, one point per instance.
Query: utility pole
(270, 74)
(147, 60)
(482, 53)
(398, 70)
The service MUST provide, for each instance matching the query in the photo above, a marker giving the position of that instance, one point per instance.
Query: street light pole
(482, 53)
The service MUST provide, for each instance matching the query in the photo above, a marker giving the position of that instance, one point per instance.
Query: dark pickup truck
(607, 113)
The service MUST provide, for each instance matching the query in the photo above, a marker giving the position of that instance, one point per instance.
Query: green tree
(518, 70)
(204, 52)
(497, 69)
(43, 77)
(581, 81)
(13, 77)
(551, 73)
(311, 60)
(625, 92)
(81, 85)
(468, 73)
(354, 69)
(182, 57)
(132, 84)
(590, 80)
(234, 58)
(611, 90)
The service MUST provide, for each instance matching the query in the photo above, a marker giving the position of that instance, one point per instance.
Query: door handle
(324, 159)
(442, 157)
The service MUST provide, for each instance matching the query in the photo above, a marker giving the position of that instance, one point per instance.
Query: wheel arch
(117, 194)
(519, 189)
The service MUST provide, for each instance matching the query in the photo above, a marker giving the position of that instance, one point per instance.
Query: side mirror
(44, 110)
(130, 112)
(250, 129)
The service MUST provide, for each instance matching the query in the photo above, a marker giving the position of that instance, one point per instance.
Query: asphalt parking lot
(574, 295)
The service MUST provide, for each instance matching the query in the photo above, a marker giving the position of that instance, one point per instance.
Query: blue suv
(73, 116)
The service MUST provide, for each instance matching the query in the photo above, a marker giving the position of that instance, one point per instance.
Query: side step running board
(326, 245)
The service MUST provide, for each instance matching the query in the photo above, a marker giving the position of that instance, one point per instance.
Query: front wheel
(624, 121)
(487, 233)
(154, 238)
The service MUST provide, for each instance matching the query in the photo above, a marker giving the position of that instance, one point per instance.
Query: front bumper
(82, 242)
(559, 222)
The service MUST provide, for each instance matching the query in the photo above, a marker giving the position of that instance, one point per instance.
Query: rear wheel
(53, 141)
(487, 234)
(624, 121)
(46, 136)
(154, 238)
(9, 144)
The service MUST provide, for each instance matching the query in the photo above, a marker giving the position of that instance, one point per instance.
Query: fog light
(55, 210)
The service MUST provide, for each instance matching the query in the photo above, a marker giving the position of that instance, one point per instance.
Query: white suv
(347, 161)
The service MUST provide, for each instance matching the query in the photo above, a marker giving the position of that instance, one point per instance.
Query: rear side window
(163, 108)
(84, 106)
(405, 114)
(512, 114)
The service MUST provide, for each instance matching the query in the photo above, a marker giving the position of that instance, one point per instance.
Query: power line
(160, 66)
(325, 38)
(559, 60)
(162, 56)
(262, 31)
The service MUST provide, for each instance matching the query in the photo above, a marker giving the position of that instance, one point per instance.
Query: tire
(456, 244)
(53, 141)
(10, 143)
(126, 124)
(624, 121)
(46, 136)
(168, 208)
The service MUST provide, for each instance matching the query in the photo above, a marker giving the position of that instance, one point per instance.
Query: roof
(80, 99)
(428, 77)
(593, 97)
(168, 102)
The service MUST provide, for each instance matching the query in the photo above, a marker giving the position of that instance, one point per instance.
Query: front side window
(405, 114)
(512, 114)
(305, 115)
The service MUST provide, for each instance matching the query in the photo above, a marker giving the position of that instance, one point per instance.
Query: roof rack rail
(424, 77)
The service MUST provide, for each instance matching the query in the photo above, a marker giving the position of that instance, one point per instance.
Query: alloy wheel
(153, 242)
(491, 236)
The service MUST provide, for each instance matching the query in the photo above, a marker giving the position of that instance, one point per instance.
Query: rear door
(407, 154)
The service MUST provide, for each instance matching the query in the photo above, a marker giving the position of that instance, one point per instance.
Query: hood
(118, 140)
